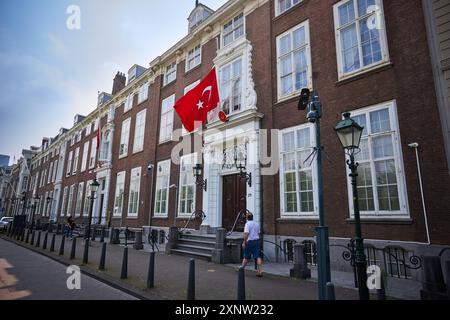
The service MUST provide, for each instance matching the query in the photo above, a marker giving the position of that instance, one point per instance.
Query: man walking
(251, 244)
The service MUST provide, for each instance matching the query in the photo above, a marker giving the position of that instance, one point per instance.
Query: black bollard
(241, 284)
(8, 234)
(44, 245)
(57, 229)
(74, 248)
(381, 293)
(27, 239)
(22, 237)
(191, 281)
(32, 238)
(52, 244)
(61, 248)
(102, 237)
(93, 234)
(151, 271)
(38, 241)
(330, 291)
(101, 266)
(124, 273)
(86, 251)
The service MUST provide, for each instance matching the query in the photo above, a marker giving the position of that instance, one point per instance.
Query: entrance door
(234, 199)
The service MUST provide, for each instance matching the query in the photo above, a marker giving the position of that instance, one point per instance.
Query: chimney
(119, 82)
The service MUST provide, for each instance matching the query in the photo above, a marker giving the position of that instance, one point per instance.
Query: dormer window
(233, 30)
(198, 15)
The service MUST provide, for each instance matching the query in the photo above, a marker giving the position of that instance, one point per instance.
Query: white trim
(194, 157)
(244, 34)
(166, 213)
(187, 69)
(135, 176)
(124, 138)
(277, 7)
(170, 68)
(142, 115)
(122, 176)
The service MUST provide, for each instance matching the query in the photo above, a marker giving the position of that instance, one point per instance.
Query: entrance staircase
(195, 245)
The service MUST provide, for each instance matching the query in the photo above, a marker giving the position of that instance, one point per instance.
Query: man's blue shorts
(252, 249)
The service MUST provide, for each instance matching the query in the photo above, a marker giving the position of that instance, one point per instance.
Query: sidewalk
(213, 281)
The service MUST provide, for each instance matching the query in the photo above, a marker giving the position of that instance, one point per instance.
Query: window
(396, 262)
(231, 86)
(96, 124)
(233, 30)
(93, 153)
(75, 160)
(194, 58)
(69, 163)
(360, 35)
(64, 201)
(124, 138)
(166, 126)
(79, 199)
(72, 142)
(143, 93)
(297, 176)
(139, 132)
(46, 205)
(294, 61)
(120, 190)
(162, 188)
(87, 199)
(284, 5)
(55, 170)
(128, 103)
(78, 136)
(186, 90)
(50, 173)
(381, 186)
(88, 129)
(85, 156)
(135, 185)
(171, 73)
(70, 201)
(187, 185)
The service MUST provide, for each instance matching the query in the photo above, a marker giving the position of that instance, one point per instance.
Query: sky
(50, 72)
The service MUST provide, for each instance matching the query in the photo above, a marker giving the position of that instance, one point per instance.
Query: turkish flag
(195, 105)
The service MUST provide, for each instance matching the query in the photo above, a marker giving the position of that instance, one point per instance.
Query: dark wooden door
(234, 199)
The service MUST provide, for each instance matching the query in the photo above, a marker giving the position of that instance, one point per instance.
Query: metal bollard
(38, 241)
(27, 238)
(93, 234)
(22, 237)
(102, 237)
(191, 281)
(32, 238)
(124, 272)
(138, 241)
(44, 245)
(101, 266)
(74, 248)
(241, 284)
(330, 291)
(52, 244)
(381, 293)
(61, 248)
(86, 251)
(151, 271)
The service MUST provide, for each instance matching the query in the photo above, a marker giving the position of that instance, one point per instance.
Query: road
(27, 275)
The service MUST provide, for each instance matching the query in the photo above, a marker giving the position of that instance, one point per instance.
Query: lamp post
(323, 249)
(94, 188)
(23, 200)
(198, 170)
(349, 133)
(34, 207)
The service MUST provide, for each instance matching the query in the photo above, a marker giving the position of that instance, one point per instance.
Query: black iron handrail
(240, 216)
(197, 215)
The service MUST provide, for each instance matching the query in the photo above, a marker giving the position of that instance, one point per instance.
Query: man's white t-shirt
(252, 228)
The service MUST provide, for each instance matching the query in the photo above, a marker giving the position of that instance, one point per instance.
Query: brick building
(360, 56)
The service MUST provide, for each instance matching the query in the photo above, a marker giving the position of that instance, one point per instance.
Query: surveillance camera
(413, 145)
(150, 167)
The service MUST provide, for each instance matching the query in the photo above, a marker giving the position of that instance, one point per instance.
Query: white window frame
(292, 5)
(299, 214)
(307, 48)
(166, 131)
(383, 39)
(88, 129)
(69, 163)
(128, 104)
(135, 183)
(171, 71)
(55, 170)
(143, 93)
(189, 171)
(87, 198)
(79, 201)
(195, 56)
(69, 207)
(233, 29)
(64, 201)
(84, 159)
(120, 187)
(50, 173)
(158, 187)
(139, 131)
(93, 155)
(232, 81)
(399, 164)
(75, 161)
(124, 138)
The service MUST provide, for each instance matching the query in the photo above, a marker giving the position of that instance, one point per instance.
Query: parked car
(4, 222)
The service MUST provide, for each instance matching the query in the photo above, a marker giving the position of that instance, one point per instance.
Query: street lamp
(349, 133)
(34, 207)
(323, 249)
(198, 170)
(240, 160)
(94, 188)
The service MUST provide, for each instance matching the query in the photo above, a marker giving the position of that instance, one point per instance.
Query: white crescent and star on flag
(200, 103)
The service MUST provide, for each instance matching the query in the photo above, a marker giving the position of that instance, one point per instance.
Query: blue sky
(50, 73)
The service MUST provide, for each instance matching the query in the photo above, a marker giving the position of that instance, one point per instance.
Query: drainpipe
(415, 146)
(151, 168)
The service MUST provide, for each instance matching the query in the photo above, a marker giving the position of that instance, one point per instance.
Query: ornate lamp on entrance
(240, 160)
(198, 171)
(349, 133)
(94, 187)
